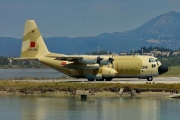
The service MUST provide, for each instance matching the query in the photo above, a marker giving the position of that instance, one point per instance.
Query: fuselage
(87, 66)
(133, 66)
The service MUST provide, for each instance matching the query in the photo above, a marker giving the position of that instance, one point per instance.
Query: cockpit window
(153, 65)
(151, 60)
(157, 61)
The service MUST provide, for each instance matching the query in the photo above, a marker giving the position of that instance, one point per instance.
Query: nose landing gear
(150, 78)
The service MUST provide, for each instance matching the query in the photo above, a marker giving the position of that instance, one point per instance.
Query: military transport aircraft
(88, 66)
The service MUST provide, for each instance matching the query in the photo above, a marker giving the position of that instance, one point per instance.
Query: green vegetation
(146, 49)
(27, 64)
(173, 71)
(6, 62)
(170, 61)
(44, 87)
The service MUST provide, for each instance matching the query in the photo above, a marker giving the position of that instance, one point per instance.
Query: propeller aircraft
(91, 67)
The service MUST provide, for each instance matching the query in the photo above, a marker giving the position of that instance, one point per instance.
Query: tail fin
(33, 45)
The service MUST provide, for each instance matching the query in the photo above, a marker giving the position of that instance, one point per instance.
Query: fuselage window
(153, 65)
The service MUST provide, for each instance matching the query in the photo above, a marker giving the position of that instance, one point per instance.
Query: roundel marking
(63, 63)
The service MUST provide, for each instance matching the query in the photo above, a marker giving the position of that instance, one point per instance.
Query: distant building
(148, 54)
(155, 53)
(176, 53)
(123, 53)
(165, 53)
(136, 54)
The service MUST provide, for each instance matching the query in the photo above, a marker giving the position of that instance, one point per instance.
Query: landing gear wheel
(90, 79)
(150, 78)
(99, 79)
(108, 79)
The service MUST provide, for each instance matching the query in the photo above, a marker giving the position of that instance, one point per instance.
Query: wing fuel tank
(109, 72)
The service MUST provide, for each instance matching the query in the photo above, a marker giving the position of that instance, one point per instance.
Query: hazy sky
(73, 18)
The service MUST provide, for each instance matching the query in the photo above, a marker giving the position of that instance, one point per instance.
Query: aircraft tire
(108, 79)
(149, 78)
(90, 79)
(99, 80)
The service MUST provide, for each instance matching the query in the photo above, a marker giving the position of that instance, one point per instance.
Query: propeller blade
(99, 60)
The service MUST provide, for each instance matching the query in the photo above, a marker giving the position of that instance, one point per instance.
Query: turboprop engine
(87, 61)
(99, 60)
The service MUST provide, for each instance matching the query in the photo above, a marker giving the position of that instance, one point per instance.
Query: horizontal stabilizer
(24, 58)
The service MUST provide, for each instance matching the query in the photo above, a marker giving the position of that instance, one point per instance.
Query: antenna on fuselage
(133, 51)
(98, 51)
(111, 59)
(99, 58)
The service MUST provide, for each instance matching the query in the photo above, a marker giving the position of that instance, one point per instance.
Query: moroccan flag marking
(32, 44)
(63, 63)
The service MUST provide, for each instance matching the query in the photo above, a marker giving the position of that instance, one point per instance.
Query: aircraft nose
(162, 69)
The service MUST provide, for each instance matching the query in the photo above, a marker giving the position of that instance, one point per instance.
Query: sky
(79, 18)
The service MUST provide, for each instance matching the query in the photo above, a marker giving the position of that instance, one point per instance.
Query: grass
(173, 71)
(43, 87)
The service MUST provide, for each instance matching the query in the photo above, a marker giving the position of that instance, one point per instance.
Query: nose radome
(162, 69)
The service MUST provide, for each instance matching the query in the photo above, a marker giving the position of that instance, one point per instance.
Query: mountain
(162, 31)
(163, 25)
(10, 46)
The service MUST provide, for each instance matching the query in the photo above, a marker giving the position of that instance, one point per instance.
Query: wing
(65, 57)
(83, 59)
(69, 58)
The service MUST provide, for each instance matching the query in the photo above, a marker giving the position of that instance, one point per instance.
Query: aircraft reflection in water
(44, 108)
(88, 66)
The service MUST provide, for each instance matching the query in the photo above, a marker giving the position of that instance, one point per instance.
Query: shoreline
(90, 95)
(69, 89)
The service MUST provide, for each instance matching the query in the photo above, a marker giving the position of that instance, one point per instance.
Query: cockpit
(155, 62)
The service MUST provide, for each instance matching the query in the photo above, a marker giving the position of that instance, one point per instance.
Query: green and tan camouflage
(88, 66)
(33, 45)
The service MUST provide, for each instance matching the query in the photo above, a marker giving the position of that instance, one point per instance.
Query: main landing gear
(150, 78)
(103, 79)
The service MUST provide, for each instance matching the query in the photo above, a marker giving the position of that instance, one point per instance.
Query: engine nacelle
(104, 62)
(82, 66)
(109, 72)
(99, 60)
(87, 61)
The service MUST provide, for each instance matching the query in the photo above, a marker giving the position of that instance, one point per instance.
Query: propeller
(105, 62)
(99, 58)
(111, 60)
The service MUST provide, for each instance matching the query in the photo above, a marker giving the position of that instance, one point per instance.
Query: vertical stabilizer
(33, 45)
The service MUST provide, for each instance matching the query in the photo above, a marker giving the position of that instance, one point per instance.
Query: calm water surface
(28, 73)
(71, 108)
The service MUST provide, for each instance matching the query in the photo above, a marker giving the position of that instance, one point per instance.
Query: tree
(4, 60)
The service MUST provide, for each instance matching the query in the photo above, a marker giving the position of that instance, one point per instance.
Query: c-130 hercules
(88, 66)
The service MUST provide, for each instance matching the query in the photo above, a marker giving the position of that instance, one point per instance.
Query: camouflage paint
(32, 34)
(33, 46)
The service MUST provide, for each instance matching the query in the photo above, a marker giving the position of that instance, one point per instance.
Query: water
(71, 108)
(28, 73)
